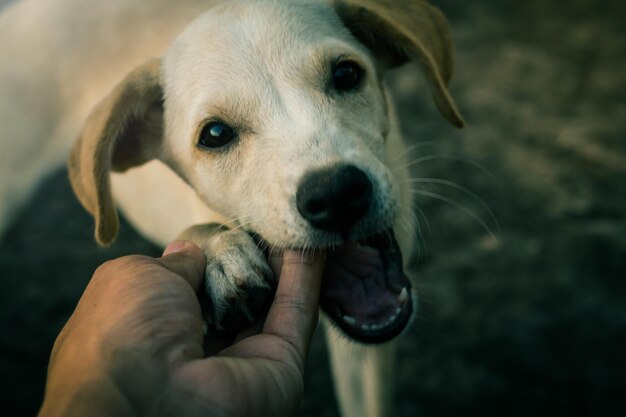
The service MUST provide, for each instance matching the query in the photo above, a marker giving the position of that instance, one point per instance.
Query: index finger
(294, 312)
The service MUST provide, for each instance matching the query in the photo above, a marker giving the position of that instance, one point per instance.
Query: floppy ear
(123, 131)
(398, 31)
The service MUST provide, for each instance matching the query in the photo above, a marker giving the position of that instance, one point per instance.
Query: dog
(246, 127)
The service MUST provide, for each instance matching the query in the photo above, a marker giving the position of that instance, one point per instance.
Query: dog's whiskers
(237, 219)
(271, 252)
(431, 157)
(421, 213)
(461, 188)
(466, 210)
(412, 223)
(241, 225)
(412, 148)
(262, 245)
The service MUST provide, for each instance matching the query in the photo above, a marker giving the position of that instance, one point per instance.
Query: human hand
(134, 344)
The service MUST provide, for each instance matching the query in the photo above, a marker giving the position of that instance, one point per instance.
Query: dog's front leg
(363, 376)
(238, 279)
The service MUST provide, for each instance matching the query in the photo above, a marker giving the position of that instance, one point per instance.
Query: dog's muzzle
(364, 290)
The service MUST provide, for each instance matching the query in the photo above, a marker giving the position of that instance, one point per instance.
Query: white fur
(58, 58)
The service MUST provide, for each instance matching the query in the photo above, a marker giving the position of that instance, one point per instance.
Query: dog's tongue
(352, 279)
(364, 288)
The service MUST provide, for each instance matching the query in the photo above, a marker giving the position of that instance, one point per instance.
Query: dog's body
(232, 131)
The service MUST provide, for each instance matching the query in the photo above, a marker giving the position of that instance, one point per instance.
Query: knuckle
(116, 267)
(298, 262)
(291, 305)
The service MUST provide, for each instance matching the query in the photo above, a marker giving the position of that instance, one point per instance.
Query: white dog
(263, 124)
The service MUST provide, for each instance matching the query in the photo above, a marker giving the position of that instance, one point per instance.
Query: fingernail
(175, 247)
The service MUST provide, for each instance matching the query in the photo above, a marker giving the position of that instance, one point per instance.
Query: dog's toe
(239, 282)
(241, 312)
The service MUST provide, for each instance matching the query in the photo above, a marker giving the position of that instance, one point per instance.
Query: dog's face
(253, 107)
(275, 113)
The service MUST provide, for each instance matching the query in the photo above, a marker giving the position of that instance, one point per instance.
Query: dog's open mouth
(365, 291)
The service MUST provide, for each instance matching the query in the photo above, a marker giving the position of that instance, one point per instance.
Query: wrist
(95, 398)
(80, 381)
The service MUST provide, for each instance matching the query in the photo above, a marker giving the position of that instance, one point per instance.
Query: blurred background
(529, 322)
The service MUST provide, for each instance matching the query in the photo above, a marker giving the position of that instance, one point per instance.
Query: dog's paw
(239, 281)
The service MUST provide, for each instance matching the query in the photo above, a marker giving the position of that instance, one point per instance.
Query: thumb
(186, 260)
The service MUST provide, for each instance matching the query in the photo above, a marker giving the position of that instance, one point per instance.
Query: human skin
(135, 344)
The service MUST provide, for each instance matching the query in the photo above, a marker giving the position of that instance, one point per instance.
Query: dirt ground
(529, 323)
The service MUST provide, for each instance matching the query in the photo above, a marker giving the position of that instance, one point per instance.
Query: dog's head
(276, 114)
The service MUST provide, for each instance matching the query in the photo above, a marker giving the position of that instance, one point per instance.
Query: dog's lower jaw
(365, 292)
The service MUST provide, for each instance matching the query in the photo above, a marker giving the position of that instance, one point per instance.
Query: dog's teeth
(392, 318)
(350, 320)
(376, 326)
(366, 327)
(398, 311)
(404, 295)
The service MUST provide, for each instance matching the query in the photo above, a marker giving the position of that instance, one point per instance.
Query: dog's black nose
(334, 199)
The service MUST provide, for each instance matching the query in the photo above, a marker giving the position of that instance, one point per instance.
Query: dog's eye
(215, 135)
(347, 75)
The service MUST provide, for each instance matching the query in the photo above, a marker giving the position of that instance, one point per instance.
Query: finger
(293, 315)
(185, 259)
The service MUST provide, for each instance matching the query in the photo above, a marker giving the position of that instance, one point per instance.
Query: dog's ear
(399, 31)
(123, 131)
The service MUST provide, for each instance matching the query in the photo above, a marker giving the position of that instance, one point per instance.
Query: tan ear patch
(407, 30)
(123, 131)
